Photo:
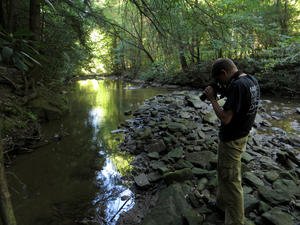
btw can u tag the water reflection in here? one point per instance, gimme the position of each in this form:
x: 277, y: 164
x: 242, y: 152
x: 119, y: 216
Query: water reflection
x: 285, y: 118
x: 78, y: 178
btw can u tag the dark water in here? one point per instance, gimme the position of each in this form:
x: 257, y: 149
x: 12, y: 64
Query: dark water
x: 77, y: 178
x: 285, y: 119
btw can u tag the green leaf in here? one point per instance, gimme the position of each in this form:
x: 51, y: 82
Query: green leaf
x: 7, y: 53
x: 32, y: 59
x: 20, y: 64
x: 3, y: 42
x: 50, y: 4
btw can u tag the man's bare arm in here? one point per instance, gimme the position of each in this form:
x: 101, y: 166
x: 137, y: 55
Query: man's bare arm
x: 224, y: 116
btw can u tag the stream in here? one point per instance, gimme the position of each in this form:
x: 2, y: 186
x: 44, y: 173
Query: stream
x: 76, y: 179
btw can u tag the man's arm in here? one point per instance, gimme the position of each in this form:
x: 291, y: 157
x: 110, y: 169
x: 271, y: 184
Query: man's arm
x: 224, y: 116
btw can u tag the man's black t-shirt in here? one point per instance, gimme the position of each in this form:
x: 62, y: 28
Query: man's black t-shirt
x: 242, y: 99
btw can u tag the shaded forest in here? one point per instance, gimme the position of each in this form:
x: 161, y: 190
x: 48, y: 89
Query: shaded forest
x: 164, y: 41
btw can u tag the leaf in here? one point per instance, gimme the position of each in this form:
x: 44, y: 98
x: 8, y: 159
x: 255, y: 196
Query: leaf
x: 50, y: 4
x: 20, y: 64
x: 3, y: 42
x: 32, y: 59
x: 7, y: 53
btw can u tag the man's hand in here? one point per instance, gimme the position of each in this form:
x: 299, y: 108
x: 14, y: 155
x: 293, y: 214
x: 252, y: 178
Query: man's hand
x: 210, y: 93
x: 224, y: 116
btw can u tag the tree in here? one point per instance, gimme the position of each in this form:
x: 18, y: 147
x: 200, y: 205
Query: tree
x: 6, y: 209
x: 35, y: 19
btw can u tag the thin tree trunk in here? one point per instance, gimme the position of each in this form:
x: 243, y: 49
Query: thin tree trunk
x: 2, y: 21
x: 10, y: 15
x: 35, y: 19
x: 182, y: 58
x: 6, y: 210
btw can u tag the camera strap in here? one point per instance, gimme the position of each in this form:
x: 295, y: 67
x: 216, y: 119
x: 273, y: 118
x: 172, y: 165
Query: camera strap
x: 234, y: 77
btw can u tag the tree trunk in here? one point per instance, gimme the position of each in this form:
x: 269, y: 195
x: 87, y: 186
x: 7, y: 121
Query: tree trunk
x: 10, y: 9
x: 183, y: 61
x: 2, y: 21
x: 35, y: 19
x: 6, y: 210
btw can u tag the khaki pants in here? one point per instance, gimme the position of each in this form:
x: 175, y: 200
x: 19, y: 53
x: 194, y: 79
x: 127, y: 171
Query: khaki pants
x: 230, y: 191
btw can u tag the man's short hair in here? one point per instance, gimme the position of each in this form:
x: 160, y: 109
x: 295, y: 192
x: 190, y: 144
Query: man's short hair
x: 222, y: 64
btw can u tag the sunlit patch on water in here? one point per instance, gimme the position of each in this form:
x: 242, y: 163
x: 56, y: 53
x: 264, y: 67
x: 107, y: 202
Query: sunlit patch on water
x: 118, y: 198
x: 131, y: 88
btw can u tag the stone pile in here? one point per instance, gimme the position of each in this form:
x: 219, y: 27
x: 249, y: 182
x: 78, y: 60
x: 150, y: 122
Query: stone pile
x: 175, y: 138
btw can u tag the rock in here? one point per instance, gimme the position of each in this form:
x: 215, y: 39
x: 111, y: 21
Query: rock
x: 191, y: 217
x: 250, y: 203
x: 154, y: 176
x: 202, y: 183
x: 252, y: 179
x: 275, y: 197
x: 181, y: 164
x: 249, y: 222
x: 153, y: 155
x: 202, y: 158
x: 263, y: 207
x: 268, y: 163
x: 246, y: 157
x: 142, y: 109
x: 158, y: 146
x: 157, y: 164
x: 204, y: 173
x: 288, y: 186
x: 175, y: 153
x: 201, y: 134
x: 142, y: 181
x: 185, y: 115
x: 127, y: 113
x: 168, y: 100
x: 283, y: 159
x: 210, y: 117
x: 118, y: 131
x: 178, y: 176
x: 271, y: 176
x: 146, y: 134
x: 213, y: 183
x: 194, y: 101
x: 278, y: 217
x: 177, y: 127
x: 194, y: 200
x: 258, y: 120
x: 170, y: 207
x: 247, y: 190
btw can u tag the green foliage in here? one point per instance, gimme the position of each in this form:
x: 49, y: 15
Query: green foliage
x: 17, y: 50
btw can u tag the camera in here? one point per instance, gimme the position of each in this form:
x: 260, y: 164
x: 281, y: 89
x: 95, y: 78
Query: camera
x: 218, y: 88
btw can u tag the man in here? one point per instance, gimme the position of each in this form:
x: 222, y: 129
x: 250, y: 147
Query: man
x: 237, y: 117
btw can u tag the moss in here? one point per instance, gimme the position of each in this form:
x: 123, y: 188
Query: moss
x: 10, y: 125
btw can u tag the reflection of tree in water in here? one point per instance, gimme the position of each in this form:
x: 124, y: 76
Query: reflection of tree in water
x: 111, y: 189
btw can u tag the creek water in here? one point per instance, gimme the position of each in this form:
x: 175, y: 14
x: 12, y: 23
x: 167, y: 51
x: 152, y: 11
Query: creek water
x: 76, y: 178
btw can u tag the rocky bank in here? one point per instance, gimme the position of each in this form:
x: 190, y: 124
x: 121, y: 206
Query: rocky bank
x: 174, y: 138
